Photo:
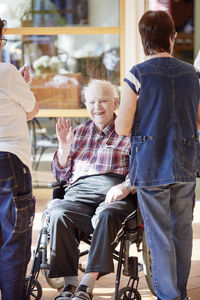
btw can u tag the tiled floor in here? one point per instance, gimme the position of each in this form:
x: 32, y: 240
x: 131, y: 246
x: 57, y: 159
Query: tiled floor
x: 104, y: 288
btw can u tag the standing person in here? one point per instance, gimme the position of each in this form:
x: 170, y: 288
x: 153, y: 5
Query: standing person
x: 159, y: 108
x: 17, y: 205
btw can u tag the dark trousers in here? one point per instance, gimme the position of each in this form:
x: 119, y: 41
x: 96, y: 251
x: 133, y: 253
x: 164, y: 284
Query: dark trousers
x: 17, y: 208
x: 70, y: 222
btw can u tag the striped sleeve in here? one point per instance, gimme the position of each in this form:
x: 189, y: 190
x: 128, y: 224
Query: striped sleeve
x: 133, y: 80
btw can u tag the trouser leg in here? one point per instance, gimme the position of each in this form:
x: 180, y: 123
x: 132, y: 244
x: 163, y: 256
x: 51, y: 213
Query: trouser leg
x: 13, y: 274
x: 163, y: 214
x: 16, y: 218
x: 100, y: 257
x: 182, y: 200
x: 70, y: 222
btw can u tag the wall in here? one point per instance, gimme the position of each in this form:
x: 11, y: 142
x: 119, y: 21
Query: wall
x: 133, y: 46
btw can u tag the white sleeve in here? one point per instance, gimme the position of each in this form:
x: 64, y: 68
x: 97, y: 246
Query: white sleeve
x: 20, y: 91
x: 197, y: 61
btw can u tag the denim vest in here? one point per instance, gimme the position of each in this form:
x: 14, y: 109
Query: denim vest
x: 164, y: 139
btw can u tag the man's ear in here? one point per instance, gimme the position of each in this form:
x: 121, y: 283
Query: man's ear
x: 116, y: 102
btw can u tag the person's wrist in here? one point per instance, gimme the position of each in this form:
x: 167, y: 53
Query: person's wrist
x: 130, y: 189
x: 64, y: 149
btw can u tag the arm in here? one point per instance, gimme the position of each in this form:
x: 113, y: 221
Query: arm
x: 25, y: 72
x: 198, y: 122
x: 197, y: 62
x: 20, y: 91
x: 128, y: 104
x: 30, y: 115
x: 65, y: 137
x: 197, y: 65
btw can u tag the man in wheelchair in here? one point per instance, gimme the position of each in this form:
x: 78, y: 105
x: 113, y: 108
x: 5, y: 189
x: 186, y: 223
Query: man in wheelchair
x: 94, y: 161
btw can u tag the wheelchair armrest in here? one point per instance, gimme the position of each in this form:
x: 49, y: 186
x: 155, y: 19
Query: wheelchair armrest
x: 55, y: 184
x: 58, y: 189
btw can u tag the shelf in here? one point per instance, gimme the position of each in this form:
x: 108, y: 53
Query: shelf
x: 69, y: 113
x: 63, y: 30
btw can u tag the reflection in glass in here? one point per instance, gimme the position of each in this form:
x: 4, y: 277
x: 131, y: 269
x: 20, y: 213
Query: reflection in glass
x: 54, y: 13
x: 61, y: 65
x: 58, y: 12
x: 182, y: 13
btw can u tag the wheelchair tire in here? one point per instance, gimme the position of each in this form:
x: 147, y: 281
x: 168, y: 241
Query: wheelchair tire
x: 128, y: 293
x: 147, y: 264
x: 35, y: 290
x: 54, y: 283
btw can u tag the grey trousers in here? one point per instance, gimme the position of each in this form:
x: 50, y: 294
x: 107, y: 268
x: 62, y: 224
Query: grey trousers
x: 70, y: 222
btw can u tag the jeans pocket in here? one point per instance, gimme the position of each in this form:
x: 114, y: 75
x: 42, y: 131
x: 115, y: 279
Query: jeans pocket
x: 7, y: 175
x: 190, y: 152
x: 24, y: 206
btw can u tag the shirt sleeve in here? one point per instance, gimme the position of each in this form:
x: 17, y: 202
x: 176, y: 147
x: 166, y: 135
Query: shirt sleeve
x: 61, y: 174
x: 20, y: 90
x: 133, y: 80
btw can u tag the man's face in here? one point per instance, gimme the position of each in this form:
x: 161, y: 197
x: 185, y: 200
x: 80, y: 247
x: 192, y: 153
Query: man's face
x: 101, y: 106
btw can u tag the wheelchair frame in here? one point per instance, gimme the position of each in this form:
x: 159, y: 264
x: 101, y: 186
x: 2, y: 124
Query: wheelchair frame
x: 128, y: 235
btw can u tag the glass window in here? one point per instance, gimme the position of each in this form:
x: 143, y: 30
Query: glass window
x: 62, y: 64
x: 182, y: 13
x: 54, y: 13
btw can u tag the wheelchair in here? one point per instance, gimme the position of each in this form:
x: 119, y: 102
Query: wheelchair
x: 132, y: 232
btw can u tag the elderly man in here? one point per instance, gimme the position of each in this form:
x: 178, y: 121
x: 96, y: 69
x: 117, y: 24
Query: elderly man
x: 94, y: 161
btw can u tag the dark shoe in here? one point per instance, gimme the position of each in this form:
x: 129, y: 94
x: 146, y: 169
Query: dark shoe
x: 66, y: 293
x: 82, y: 293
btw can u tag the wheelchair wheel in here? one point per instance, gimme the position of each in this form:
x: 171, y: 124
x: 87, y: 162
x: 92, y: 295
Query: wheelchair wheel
x: 35, y: 291
x: 129, y: 293
x: 55, y: 283
x: 147, y: 263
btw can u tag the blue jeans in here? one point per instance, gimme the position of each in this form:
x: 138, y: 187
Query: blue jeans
x: 167, y: 212
x: 17, y: 208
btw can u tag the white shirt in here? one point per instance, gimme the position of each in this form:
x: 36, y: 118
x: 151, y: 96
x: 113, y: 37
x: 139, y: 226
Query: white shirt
x: 197, y: 61
x: 15, y: 100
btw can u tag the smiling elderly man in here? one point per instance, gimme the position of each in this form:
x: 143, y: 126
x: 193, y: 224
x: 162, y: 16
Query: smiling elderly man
x: 94, y: 161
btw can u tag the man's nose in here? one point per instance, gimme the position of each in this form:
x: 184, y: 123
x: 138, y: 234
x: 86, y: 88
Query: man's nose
x: 97, y: 104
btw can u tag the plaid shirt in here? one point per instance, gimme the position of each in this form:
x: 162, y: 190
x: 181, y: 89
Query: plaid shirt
x: 93, y: 153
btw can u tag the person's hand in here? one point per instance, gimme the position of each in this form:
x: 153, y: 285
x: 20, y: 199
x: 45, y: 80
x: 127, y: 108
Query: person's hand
x: 64, y: 133
x: 25, y: 72
x: 117, y: 192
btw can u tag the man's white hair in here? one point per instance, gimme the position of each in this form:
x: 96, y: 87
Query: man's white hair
x: 103, y: 85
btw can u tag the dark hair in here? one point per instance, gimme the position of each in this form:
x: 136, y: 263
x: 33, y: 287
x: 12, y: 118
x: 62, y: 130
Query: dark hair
x: 2, y: 26
x: 156, y: 27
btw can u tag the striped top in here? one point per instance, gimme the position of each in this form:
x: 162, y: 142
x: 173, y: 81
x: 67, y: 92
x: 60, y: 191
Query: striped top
x: 93, y: 153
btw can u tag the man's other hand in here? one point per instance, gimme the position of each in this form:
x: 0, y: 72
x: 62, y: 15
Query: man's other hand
x: 117, y: 192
